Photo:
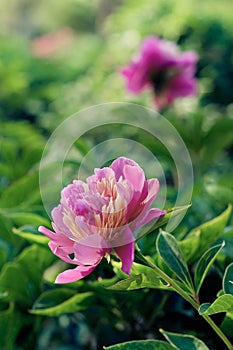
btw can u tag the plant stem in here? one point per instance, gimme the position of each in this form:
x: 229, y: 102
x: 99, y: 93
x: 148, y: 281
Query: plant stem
x: 218, y: 331
x: 188, y: 298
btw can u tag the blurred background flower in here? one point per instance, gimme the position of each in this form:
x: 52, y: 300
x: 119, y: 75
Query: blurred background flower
x: 47, y: 45
x: 161, y: 67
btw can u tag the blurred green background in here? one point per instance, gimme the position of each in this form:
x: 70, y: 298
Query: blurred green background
x: 56, y: 58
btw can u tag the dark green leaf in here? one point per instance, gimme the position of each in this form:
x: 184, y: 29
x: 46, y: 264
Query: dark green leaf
x: 204, y: 265
x: 227, y: 324
x: 170, y: 252
x: 228, y: 280
x: 142, y: 345
x: 184, y: 342
x: 12, y: 320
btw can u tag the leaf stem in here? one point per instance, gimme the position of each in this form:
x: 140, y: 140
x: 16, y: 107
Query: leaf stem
x: 141, y: 259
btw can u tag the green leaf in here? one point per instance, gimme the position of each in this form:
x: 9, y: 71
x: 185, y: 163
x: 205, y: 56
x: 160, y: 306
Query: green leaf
x: 227, y: 324
x: 12, y: 321
x: 21, y: 191
x: 204, y: 265
x: 214, y: 140
x: 6, y: 231
x: 23, y: 218
x: 219, y: 193
x: 173, y: 212
x: 14, y: 282
x: 146, y: 279
x: 228, y: 280
x: 130, y: 283
x: 142, y: 345
x: 141, y: 277
x: 23, y: 278
x: 32, y: 237
x: 204, y: 235
x: 184, y: 342
x: 59, y: 301
x: 189, y: 245
x: 33, y: 261
x: 170, y: 252
x: 3, y: 256
x: 222, y: 304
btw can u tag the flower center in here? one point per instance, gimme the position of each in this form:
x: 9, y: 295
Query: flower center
x: 160, y: 79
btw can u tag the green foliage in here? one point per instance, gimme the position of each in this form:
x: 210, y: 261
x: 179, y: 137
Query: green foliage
x: 141, y: 277
x: 12, y: 320
x: 142, y: 344
x: 201, y: 237
x: 21, y: 148
x: 31, y: 237
x: 228, y: 280
x: 204, y: 264
x: 226, y: 324
x: 224, y: 303
x: 59, y: 301
x: 19, y: 280
x: 215, y: 142
x: 176, y: 341
x: 170, y: 252
x: 184, y: 342
x: 44, y: 91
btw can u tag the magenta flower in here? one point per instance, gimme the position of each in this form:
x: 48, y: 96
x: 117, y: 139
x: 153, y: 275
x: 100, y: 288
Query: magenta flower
x: 161, y: 67
x: 99, y: 216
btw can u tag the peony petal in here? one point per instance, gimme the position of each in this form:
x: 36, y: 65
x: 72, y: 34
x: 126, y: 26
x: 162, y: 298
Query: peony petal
x: 126, y: 254
x: 76, y: 274
x: 89, y: 251
x: 103, y: 173
x: 124, y: 192
x: 153, y: 188
x: 57, y: 216
x: 135, y: 176
x: 62, y: 253
x: 119, y: 164
x: 56, y: 236
x: 50, y: 234
x: 122, y: 237
x: 60, y: 245
x: 146, y: 217
x: 85, y: 228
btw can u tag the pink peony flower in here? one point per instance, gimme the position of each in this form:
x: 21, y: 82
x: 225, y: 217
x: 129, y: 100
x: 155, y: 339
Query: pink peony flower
x: 161, y: 67
x: 99, y: 216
